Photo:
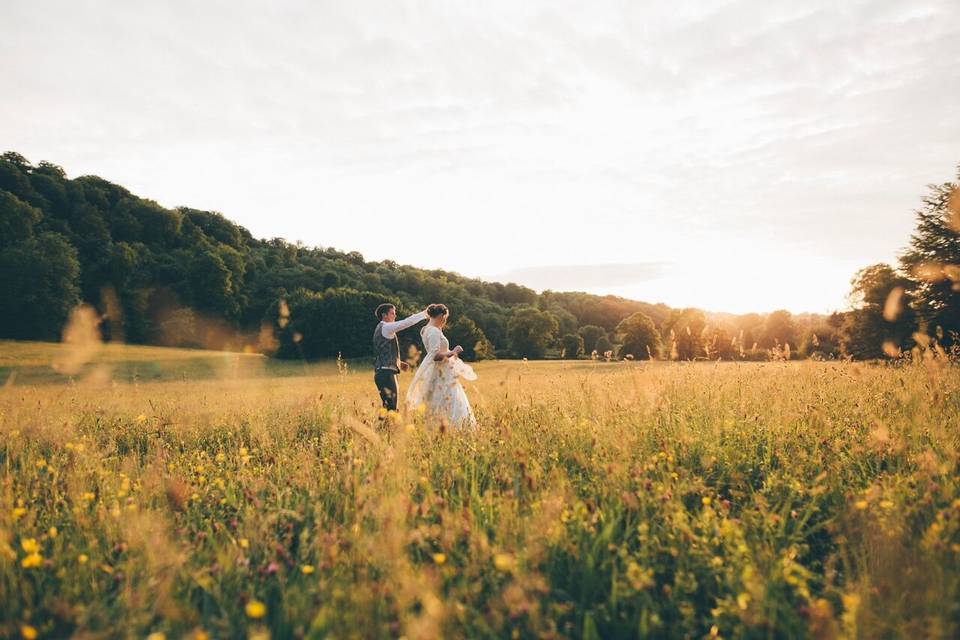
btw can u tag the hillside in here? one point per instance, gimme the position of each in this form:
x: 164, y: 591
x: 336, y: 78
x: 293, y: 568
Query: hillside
x: 185, y: 277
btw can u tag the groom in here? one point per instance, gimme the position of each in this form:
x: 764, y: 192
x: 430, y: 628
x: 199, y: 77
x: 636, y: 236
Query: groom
x: 386, y: 348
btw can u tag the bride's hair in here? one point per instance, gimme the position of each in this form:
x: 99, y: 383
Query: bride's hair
x: 437, y: 311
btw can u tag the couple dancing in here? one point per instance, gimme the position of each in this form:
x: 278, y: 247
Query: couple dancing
x: 435, y: 385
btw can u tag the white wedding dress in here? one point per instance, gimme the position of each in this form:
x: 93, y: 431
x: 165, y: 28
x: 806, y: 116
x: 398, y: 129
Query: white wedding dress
x: 436, y: 386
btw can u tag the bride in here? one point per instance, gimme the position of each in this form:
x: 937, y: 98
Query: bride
x: 435, y: 384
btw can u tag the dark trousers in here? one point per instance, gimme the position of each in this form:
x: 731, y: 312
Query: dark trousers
x: 387, y: 386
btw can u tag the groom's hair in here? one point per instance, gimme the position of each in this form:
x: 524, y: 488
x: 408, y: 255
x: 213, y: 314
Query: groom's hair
x: 383, y: 309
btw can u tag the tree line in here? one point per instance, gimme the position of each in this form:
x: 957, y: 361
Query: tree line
x: 185, y: 277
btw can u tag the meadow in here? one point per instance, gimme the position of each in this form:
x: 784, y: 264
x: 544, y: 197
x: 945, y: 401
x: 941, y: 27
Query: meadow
x: 161, y: 493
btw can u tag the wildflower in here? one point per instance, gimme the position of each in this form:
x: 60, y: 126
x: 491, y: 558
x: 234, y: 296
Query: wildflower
x: 244, y: 543
x: 157, y: 635
x: 255, y: 609
x: 860, y: 504
x: 639, y: 577
x: 307, y: 569
x: 141, y: 419
x: 82, y: 558
x: 17, y: 513
x: 30, y: 545
x: 28, y: 632
x: 31, y: 561
x: 705, y: 501
x: 743, y: 600
x: 503, y: 562
x: 439, y: 558
x: 52, y: 532
x: 41, y: 463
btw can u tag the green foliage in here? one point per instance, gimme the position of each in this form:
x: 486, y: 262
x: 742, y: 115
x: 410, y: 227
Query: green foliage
x: 334, y: 321
x: 572, y: 345
x: 590, y: 334
x: 883, y: 321
x: 464, y: 332
x: 638, y: 336
x: 779, y: 329
x: 17, y: 219
x: 932, y: 259
x: 531, y: 331
x: 684, y: 329
x: 602, y: 345
x: 40, y: 279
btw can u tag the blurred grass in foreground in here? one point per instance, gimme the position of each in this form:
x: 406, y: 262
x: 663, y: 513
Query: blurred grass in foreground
x: 595, y: 500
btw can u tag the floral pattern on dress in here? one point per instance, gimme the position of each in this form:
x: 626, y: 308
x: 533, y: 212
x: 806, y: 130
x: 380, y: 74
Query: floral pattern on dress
x: 436, y: 385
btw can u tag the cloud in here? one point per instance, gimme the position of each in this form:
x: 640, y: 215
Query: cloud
x: 506, y: 133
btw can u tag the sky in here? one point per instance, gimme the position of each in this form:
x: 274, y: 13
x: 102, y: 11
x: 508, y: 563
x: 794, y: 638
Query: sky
x: 730, y: 155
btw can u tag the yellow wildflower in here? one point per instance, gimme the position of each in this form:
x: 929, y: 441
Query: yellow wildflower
x: 157, y: 635
x: 503, y: 562
x: 82, y: 558
x: 243, y: 542
x: 307, y: 569
x: 52, y: 532
x: 31, y: 561
x: 17, y: 513
x: 439, y: 558
x: 256, y: 609
x: 30, y: 545
x: 28, y: 632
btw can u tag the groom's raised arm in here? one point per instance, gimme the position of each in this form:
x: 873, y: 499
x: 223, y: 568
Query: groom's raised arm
x: 391, y: 329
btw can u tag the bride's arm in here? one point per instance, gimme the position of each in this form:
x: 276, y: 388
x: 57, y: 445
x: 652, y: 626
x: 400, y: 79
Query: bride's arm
x: 444, y: 354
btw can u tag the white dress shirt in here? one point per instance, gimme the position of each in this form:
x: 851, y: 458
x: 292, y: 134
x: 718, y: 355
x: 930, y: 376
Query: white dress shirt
x: 390, y: 329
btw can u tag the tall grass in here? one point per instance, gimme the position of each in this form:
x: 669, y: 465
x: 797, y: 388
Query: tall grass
x: 595, y: 500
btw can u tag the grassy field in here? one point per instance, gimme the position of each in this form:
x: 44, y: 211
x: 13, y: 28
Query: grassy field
x: 227, y: 496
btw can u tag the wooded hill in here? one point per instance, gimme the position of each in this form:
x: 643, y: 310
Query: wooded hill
x: 185, y: 277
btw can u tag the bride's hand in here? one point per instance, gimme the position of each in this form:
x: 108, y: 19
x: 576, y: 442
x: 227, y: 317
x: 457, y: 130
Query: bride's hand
x: 457, y: 350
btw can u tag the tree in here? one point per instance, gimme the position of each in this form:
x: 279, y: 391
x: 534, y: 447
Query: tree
x: 883, y: 319
x: 17, y: 219
x: 566, y: 321
x: 465, y: 332
x: 41, y: 286
x: 932, y: 259
x: 572, y: 346
x: 603, y: 345
x: 779, y: 329
x: 590, y: 334
x: 685, y: 327
x: 638, y: 336
x: 530, y: 331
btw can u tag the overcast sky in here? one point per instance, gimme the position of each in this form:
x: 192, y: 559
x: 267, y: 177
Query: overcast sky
x: 731, y: 155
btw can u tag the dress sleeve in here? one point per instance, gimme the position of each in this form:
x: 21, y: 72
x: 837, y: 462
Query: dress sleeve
x: 430, y: 342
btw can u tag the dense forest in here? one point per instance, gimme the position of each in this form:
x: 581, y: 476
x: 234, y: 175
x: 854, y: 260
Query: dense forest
x: 186, y: 277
